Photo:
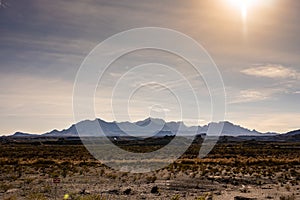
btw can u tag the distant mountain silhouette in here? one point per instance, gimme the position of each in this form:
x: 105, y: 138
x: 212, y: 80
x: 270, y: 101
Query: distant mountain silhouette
x: 20, y: 134
x: 146, y: 128
x: 230, y: 129
x: 293, y: 133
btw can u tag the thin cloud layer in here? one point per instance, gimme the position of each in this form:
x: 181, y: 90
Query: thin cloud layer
x: 44, y: 42
x: 271, y: 71
x: 250, y: 96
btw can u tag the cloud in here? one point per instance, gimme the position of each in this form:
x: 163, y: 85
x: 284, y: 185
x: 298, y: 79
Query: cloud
x: 44, y: 42
x: 272, y: 71
x: 250, y: 96
x: 158, y: 109
x: 253, y: 95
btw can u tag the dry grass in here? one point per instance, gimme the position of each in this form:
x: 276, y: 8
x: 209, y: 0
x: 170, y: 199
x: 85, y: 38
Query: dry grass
x: 28, y: 169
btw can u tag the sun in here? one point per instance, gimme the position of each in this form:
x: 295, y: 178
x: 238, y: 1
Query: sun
x: 244, y: 5
x: 249, y: 7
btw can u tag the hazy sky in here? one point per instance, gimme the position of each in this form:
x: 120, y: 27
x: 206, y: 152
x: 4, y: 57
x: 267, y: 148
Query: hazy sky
x: 44, y: 42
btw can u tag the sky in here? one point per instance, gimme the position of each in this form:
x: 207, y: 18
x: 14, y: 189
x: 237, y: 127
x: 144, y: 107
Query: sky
x: 43, y: 44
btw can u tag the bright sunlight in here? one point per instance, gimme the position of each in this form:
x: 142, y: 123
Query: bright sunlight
x: 244, y: 5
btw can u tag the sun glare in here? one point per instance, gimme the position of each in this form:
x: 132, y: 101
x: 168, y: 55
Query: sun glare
x: 247, y: 7
x: 244, y: 12
x: 244, y: 5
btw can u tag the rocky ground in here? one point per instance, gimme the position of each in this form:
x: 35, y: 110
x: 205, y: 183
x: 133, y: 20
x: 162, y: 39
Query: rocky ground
x: 27, y: 172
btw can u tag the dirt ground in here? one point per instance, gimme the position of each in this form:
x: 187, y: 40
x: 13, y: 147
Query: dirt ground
x: 27, y: 172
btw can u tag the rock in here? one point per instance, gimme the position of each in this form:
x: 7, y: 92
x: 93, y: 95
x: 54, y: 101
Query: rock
x: 116, y: 192
x: 13, y: 190
x: 127, y: 191
x: 154, y: 190
x: 244, y: 198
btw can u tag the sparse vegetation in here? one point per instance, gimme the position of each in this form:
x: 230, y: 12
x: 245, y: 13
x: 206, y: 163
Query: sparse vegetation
x: 288, y: 197
x: 27, y: 171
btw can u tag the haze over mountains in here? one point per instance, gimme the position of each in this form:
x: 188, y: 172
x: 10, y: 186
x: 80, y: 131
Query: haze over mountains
x: 147, y: 128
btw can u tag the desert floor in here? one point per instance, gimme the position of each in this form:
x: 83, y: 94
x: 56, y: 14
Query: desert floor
x: 256, y: 170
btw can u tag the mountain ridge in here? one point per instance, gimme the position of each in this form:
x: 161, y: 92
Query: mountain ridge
x: 145, y: 128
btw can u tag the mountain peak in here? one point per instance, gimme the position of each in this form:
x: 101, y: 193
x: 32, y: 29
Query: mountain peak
x: 147, y: 121
x: 292, y: 133
x: 21, y: 134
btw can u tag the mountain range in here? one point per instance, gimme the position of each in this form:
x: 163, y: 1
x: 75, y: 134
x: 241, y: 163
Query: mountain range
x: 150, y: 127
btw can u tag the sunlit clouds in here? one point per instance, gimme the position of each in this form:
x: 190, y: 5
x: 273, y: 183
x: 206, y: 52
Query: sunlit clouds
x: 272, y: 71
x: 254, y: 43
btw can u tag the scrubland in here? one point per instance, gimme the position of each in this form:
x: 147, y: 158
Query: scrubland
x: 232, y: 170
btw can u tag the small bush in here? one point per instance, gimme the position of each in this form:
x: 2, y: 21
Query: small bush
x: 92, y: 197
x: 292, y: 197
x: 176, y: 197
x: 36, y: 196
